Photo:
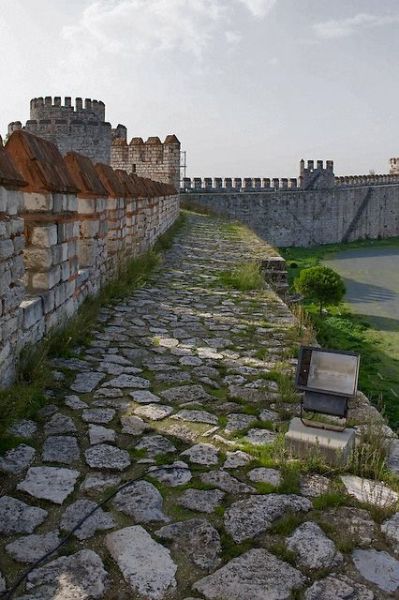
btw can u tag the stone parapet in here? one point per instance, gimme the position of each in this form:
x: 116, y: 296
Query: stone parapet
x: 67, y: 226
x: 159, y: 161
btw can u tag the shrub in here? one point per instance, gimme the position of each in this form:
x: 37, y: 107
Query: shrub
x: 320, y: 284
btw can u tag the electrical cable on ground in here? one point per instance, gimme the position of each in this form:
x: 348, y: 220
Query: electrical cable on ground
x: 8, y: 594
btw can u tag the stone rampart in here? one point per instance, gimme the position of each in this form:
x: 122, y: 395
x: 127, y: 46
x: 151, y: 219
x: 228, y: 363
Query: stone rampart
x: 316, y: 208
x: 82, y: 128
x: 66, y: 227
x: 153, y: 159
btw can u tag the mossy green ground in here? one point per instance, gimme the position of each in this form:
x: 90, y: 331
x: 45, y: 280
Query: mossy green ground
x: 369, y: 331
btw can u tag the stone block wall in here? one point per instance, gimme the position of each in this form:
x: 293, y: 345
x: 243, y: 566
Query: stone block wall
x: 66, y: 227
x: 309, y: 217
x: 81, y: 128
x: 152, y: 159
x: 11, y: 263
x: 316, y: 208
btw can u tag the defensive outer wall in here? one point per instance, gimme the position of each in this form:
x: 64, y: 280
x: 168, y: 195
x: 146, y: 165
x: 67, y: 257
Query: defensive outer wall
x: 82, y: 128
x: 317, y: 208
x: 67, y: 225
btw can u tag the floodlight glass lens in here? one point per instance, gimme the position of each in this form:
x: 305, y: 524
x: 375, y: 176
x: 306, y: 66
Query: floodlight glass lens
x: 333, y: 372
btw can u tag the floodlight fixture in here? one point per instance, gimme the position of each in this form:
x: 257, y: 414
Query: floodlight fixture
x: 328, y: 379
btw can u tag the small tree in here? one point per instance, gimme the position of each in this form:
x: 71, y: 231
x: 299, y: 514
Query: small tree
x: 320, y: 284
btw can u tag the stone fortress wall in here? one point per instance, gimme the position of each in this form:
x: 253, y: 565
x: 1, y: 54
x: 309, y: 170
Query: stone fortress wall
x: 67, y: 225
x: 82, y: 128
x: 316, y: 208
x: 160, y: 161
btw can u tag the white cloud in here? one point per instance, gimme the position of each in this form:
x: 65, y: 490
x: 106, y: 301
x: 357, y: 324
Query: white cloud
x: 259, y: 8
x: 345, y: 27
x: 139, y: 26
x: 233, y: 37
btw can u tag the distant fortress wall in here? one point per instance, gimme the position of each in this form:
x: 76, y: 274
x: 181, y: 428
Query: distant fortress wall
x: 317, y: 208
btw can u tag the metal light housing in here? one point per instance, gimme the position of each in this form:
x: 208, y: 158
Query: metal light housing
x: 328, y: 379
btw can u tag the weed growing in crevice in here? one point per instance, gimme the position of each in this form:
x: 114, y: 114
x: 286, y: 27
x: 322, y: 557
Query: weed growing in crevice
x: 244, y: 277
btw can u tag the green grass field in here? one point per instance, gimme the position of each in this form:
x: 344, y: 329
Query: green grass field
x: 368, y: 321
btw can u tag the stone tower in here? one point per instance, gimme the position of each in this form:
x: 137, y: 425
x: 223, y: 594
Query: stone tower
x: 394, y: 166
x: 81, y: 128
x: 154, y: 159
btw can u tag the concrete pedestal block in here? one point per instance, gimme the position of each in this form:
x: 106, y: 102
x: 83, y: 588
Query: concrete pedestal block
x: 334, y: 447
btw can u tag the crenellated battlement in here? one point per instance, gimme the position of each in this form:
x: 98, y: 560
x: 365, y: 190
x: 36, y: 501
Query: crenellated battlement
x: 153, y: 158
x: 51, y: 108
x: 313, y: 176
x: 238, y: 184
x: 81, y: 127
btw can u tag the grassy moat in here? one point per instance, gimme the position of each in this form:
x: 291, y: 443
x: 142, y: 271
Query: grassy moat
x: 367, y: 321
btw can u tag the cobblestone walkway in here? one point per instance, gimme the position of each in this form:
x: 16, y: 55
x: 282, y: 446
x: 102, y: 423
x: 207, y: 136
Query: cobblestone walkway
x: 172, y: 394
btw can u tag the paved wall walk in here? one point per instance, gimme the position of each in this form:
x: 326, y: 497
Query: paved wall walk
x: 174, y: 392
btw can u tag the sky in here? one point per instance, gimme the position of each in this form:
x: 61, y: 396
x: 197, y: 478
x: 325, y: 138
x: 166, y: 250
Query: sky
x: 248, y: 86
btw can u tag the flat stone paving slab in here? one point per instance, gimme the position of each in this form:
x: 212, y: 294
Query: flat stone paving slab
x: 98, y: 415
x: 29, y: 548
x: 105, y: 456
x: 98, y: 482
x: 18, y: 517
x: 146, y: 565
x: 100, y: 435
x: 98, y: 520
x: 202, y: 454
x: 75, y: 403
x: 185, y: 393
x: 378, y: 567
x: 61, y: 449
x: 314, y: 550
x: 201, y: 500
x: 49, y: 483
x: 154, y: 412
x: 175, y: 474
x: 87, y: 381
x: 247, y: 518
x: 133, y: 425
x: 255, y: 575
x: 155, y: 444
x: 197, y: 539
x: 264, y: 475
x: 24, y: 428
x: 368, y: 491
x: 142, y: 501
x: 129, y: 381
x: 196, y: 416
x: 75, y: 577
x: 144, y: 397
x: 17, y: 460
x: 59, y: 424
x: 226, y: 482
x: 334, y: 588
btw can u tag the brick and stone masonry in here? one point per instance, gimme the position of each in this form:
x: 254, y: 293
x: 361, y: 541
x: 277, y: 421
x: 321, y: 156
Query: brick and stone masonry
x: 316, y: 208
x: 66, y: 227
x: 82, y: 128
